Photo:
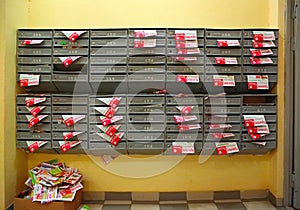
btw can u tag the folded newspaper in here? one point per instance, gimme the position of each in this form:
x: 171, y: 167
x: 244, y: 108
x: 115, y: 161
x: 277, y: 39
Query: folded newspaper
x: 52, y: 181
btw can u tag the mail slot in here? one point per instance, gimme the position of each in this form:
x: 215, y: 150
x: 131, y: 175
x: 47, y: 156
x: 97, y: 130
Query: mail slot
x: 21, y: 99
x: 147, y: 77
x: 172, y: 42
x: 94, y: 137
x: 212, y: 61
x: 186, y: 69
x: 34, y: 60
x: 247, y: 52
x: 145, y: 127
x: 186, y: 60
x: 214, y: 43
x: 246, y: 60
x: 58, y: 119
x: 145, y: 118
x: 236, y: 128
x: 108, y: 78
x: 23, y: 118
x: 80, y: 126
x: 259, y: 109
x: 248, y: 33
x: 174, y: 51
x: 23, y: 110
x: 260, y: 69
x: 259, y: 99
x: 145, y: 109
x: 34, y: 34
x: 147, y: 60
x: 174, y: 110
x: 69, y: 109
x: 268, y: 137
x: 159, y: 42
x: 146, y: 136
x: 35, y: 69
x: 23, y: 145
x: 109, y: 42
x: 45, y: 44
x: 96, y: 120
x: 146, y: 69
x: 228, y: 101
x: 147, y: 51
x: 249, y: 43
x: 144, y: 99
x: 223, y: 52
x: 200, y: 32
x: 69, y: 77
x: 237, y: 78
x: 34, y: 51
x: 59, y: 34
x: 271, y: 118
x: 35, y: 136
x: 160, y: 33
x: 70, y: 99
x: 108, y: 33
x: 120, y: 111
x: 109, y: 51
x: 252, y: 148
x: 223, y: 118
x: 60, y: 136
x: 186, y: 100
x: 81, y: 60
x: 68, y: 43
x: 190, y: 137
x: 99, y: 148
x: 108, y: 69
x: 145, y: 147
x: 173, y: 128
x: 223, y: 33
x: 93, y: 101
x: 94, y: 129
x: 71, y: 51
x: 40, y: 127
x: 223, y: 69
x: 222, y: 110
x: 210, y: 137
x: 108, y: 60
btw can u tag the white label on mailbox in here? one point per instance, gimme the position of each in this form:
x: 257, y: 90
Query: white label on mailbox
x: 144, y: 43
x: 27, y: 80
x: 183, y: 147
x: 224, y: 148
x: 185, y: 34
x: 228, y: 43
x: 258, y: 82
x: 223, y: 81
x: 144, y: 33
x: 263, y: 35
x: 188, y: 78
x: 73, y: 35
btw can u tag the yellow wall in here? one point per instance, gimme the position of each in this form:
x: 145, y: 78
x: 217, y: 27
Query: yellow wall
x: 15, y: 161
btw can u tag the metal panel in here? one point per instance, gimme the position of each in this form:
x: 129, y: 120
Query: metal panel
x: 145, y: 136
x: 234, y: 128
x: 147, y: 60
x: 21, y: 99
x: 223, y: 69
x: 146, y: 69
x: 147, y: 51
x: 94, y: 129
x: 34, y: 51
x: 173, y: 128
x: 248, y: 62
x: 184, y: 136
x: 210, y: 33
x: 174, y: 51
x: 80, y: 126
x: 200, y: 32
x: 159, y: 42
x: 170, y: 119
x: 59, y: 34
x: 228, y: 101
x: 33, y: 136
x: 45, y: 44
x: 69, y: 109
x: 23, y: 145
x: 68, y: 43
x: 260, y: 69
x: 186, y: 69
x: 259, y: 109
x: 197, y: 61
x: 23, y: 126
x: 174, y: 110
x: 248, y: 33
x: 224, y: 119
x: 172, y: 42
x: 24, y: 110
x: 109, y: 42
x: 160, y: 32
x: 93, y: 101
x: 142, y: 99
x: 23, y: 118
x: 145, y: 147
x: 57, y: 118
x: 268, y: 137
x: 37, y: 34
x: 108, y: 69
x: 247, y: 52
x: 109, y: 51
x: 146, y: 118
x: 81, y: 60
x: 212, y: 61
x: 34, y: 60
x: 96, y: 120
x: 188, y: 100
x: 69, y: 52
x: 237, y: 78
x: 214, y: 43
x: 34, y: 69
x: 249, y: 43
x: 108, y: 78
x: 101, y: 148
x: 108, y: 60
x: 250, y: 148
x: 108, y: 33
x: 145, y: 109
x: 69, y: 99
x: 145, y: 127
x: 223, y: 52
x: 146, y: 77
x: 120, y: 111
x: 210, y: 138
x: 59, y: 136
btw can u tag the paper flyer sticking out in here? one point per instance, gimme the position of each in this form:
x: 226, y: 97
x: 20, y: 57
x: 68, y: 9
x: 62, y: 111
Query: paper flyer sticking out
x: 188, y: 78
x: 27, y: 80
x: 228, y: 43
x: 181, y: 119
x: 73, y: 35
x: 259, y: 129
x: 67, y: 61
x: 67, y: 145
x: 35, y: 120
x: 70, y: 120
x: 258, y: 82
x: 32, y: 42
x: 187, y: 127
x: 260, y: 61
x: 69, y: 135
x: 260, y: 143
x: 185, y: 34
x: 260, y: 52
x: 114, y: 140
x: 224, y: 148
x: 144, y: 43
x: 256, y: 136
x: 263, y: 44
x: 185, y: 109
x: 34, y: 145
x: 223, y: 80
x: 107, y: 121
x: 109, y: 130
x: 183, y: 147
x: 226, y: 61
x: 107, y: 111
x: 254, y: 120
x: 189, y: 51
x: 182, y: 58
x: 33, y: 101
x: 264, y: 35
x: 35, y: 110
x: 113, y: 102
x: 222, y: 135
x: 219, y: 126
x: 186, y: 44
x: 144, y: 33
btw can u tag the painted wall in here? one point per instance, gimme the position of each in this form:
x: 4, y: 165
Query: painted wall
x: 15, y: 162
x: 226, y: 173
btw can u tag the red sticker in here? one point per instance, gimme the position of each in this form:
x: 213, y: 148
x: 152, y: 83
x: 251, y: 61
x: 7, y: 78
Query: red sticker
x: 24, y: 82
x: 33, y: 146
x: 115, y: 140
x: 33, y: 121
x: 69, y: 121
x: 252, y: 86
x: 35, y: 110
x: 115, y: 102
x: 222, y: 150
x: 30, y: 102
x: 68, y: 136
x: 110, y: 112
x: 65, y: 147
x: 177, y: 149
x: 255, y: 136
x: 73, y: 37
x: 67, y: 62
x: 26, y: 42
x: 111, y: 131
x: 106, y: 121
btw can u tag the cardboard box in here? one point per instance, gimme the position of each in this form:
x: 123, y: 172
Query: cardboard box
x: 24, y: 204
